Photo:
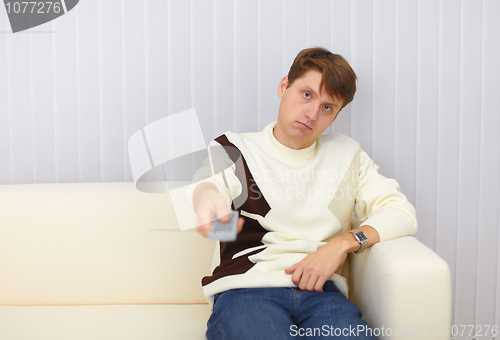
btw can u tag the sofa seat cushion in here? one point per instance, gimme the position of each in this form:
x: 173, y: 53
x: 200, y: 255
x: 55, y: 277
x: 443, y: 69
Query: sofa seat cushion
x: 106, y: 322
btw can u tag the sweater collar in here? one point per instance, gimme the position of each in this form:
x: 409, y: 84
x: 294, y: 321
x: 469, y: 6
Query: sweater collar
x: 285, y: 152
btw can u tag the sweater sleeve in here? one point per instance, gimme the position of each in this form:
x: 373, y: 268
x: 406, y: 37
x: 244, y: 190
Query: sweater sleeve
x: 380, y: 203
x: 219, y: 170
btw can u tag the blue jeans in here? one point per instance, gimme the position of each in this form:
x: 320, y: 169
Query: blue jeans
x: 285, y: 313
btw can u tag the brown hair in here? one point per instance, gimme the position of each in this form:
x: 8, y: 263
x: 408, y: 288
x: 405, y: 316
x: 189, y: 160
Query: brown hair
x: 338, y: 77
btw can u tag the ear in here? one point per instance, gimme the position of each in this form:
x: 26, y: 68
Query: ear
x: 282, y: 86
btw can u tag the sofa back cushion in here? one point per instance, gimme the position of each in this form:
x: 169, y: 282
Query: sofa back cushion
x: 96, y: 243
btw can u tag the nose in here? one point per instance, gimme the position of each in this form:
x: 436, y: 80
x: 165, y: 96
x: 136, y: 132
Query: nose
x: 313, y: 112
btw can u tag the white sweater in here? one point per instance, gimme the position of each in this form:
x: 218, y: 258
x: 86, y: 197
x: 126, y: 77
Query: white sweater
x: 294, y: 202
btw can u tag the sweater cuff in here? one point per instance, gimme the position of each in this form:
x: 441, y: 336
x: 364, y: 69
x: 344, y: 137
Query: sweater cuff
x: 391, y: 223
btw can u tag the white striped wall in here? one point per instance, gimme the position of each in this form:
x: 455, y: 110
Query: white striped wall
x: 427, y: 109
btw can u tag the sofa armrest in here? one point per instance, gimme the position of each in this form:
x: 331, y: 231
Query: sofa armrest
x: 404, y: 287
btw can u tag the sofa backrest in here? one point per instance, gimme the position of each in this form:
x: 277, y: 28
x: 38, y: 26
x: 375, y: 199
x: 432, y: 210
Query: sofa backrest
x: 96, y: 243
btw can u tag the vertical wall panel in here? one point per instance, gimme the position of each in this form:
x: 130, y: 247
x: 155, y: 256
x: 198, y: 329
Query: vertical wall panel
x: 468, y: 189
x: 156, y: 59
x: 245, y: 66
x: 406, y: 96
x: 202, y: 58
x: 384, y: 81
x: 111, y: 89
x: 42, y: 85
x: 362, y: 62
x: 294, y: 30
x: 427, y: 120
x: 489, y: 194
x: 340, y: 23
x: 319, y: 31
x: 179, y: 56
x: 202, y: 72
x: 20, y: 108
x: 5, y: 154
x: 134, y: 96
x: 223, y: 66
x: 490, y: 156
x: 179, y: 64
x: 87, y: 39
x: 448, y: 134
x: 65, y: 100
x: 270, y: 40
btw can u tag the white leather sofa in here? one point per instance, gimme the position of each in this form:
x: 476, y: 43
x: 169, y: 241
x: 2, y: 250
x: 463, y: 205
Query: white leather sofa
x: 106, y: 261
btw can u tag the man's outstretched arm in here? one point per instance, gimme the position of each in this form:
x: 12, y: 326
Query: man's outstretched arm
x: 209, y: 204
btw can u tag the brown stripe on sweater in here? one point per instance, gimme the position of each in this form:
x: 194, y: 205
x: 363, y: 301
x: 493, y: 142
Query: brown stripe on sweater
x: 251, y: 236
x: 255, y: 203
x: 252, y: 232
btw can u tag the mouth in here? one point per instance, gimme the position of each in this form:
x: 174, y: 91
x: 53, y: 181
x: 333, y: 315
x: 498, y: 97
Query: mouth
x: 304, y: 125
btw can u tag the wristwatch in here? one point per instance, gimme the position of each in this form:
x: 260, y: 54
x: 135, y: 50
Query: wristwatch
x: 362, y: 239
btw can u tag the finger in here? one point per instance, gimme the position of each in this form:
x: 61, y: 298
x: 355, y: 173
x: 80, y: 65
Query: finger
x: 224, y: 218
x: 291, y: 269
x: 297, y: 276
x: 205, y: 217
x: 319, y: 285
x: 304, y: 280
x: 311, y: 283
x: 202, y: 232
x: 204, y: 229
x: 241, y: 221
x: 202, y: 224
x: 221, y: 212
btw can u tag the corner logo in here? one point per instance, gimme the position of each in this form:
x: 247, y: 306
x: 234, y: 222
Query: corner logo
x: 24, y: 15
x: 166, y: 150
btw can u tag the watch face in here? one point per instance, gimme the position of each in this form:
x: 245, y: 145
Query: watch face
x: 362, y: 237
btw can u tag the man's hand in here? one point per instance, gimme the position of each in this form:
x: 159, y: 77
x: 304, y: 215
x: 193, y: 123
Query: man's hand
x: 312, y: 272
x: 209, y: 204
x: 316, y: 268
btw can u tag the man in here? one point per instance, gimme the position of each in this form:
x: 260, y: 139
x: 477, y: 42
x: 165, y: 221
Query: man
x: 282, y: 277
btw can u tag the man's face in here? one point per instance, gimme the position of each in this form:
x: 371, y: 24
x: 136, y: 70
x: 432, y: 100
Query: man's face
x: 305, y: 110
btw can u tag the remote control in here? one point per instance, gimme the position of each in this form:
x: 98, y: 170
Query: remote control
x: 225, y: 232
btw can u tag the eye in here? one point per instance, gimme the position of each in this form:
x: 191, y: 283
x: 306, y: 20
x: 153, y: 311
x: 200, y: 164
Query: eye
x: 307, y: 95
x: 327, y: 107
